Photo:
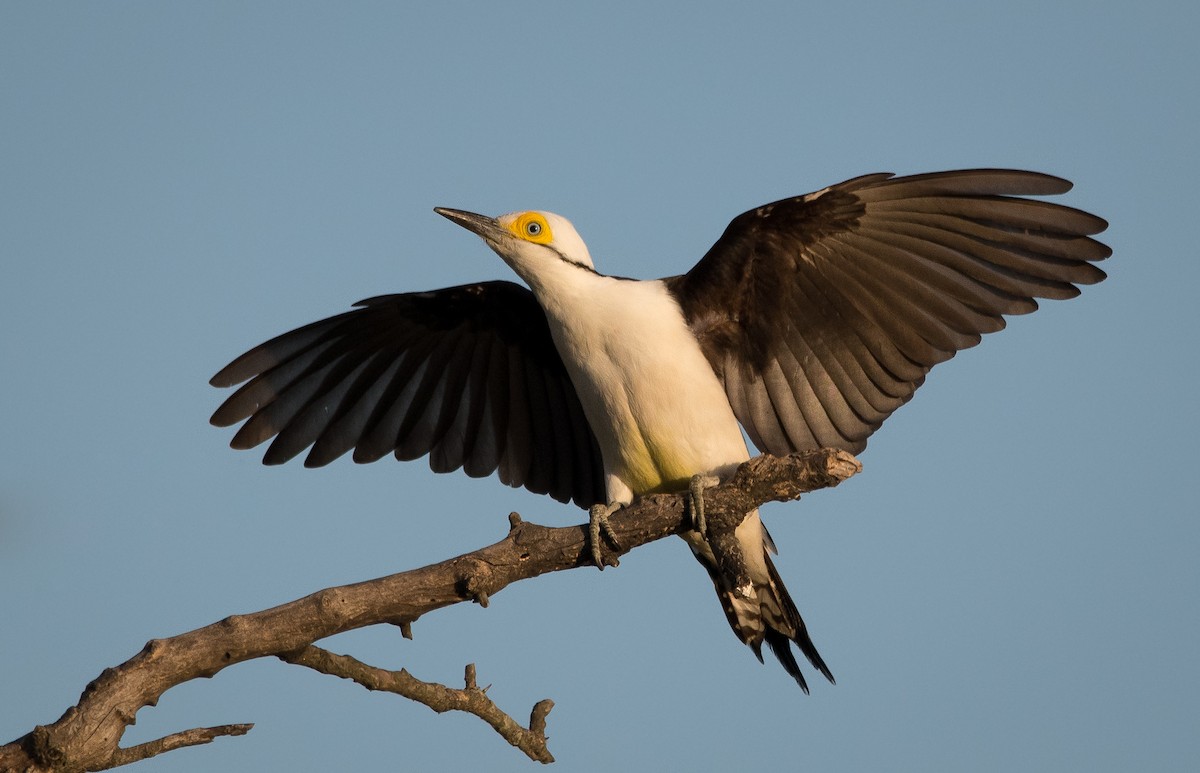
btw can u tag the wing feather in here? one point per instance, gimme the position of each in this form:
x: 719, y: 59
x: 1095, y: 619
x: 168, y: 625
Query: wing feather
x: 822, y: 314
x: 467, y: 376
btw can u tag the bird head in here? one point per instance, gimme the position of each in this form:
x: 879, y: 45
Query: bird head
x: 526, y: 240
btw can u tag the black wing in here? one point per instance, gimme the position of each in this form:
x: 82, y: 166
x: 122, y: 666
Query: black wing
x: 468, y: 375
x: 823, y: 313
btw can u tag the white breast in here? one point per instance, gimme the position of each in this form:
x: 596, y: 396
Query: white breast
x: 658, y: 410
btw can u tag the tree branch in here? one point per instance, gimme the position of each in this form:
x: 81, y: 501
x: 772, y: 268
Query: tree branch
x: 194, y: 737
x: 88, y: 735
x: 438, y: 697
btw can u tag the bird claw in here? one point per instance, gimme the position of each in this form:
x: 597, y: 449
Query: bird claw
x: 696, y: 501
x: 598, y: 525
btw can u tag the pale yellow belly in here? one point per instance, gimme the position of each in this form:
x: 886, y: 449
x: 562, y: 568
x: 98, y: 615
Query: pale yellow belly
x: 655, y: 463
x: 660, y: 414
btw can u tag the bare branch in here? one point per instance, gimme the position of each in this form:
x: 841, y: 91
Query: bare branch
x: 438, y: 697
x: 88, y: 735
x: 193, y: 737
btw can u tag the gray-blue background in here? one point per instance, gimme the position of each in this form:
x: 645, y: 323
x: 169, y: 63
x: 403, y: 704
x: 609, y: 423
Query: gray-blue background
x: 1010, y: 585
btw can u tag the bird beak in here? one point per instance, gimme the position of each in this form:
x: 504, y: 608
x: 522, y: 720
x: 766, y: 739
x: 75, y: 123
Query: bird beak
x: 486, y: 227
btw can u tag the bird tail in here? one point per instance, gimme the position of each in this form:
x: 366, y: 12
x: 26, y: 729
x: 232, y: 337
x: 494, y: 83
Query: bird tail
x: 755, y: 600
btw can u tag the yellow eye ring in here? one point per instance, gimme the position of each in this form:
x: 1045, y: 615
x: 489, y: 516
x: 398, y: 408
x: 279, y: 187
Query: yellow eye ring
x: 532, y: 227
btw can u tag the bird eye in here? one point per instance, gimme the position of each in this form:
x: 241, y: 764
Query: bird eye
x: 530, y: 226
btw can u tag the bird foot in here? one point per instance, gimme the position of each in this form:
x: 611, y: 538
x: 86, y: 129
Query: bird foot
x: 598, y: 525
x: 696, y: 501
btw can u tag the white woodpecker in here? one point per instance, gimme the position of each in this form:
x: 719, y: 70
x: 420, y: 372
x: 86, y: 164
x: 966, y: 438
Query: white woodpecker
x: 807, y: 323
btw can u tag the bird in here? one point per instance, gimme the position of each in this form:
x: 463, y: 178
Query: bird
x: 808, y: 322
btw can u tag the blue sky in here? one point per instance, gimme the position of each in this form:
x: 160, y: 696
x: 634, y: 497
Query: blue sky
x: 1010, y: 584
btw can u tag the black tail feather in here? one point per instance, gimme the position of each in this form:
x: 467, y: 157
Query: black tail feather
x: 779, y: 639
x: 773, y: 619
x: 781, y: 645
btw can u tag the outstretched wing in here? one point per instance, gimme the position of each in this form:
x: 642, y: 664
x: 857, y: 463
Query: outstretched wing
x: 468, y: 375
x: 823, y: 313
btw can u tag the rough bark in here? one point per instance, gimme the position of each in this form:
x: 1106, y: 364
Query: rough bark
x: 88, y: 735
